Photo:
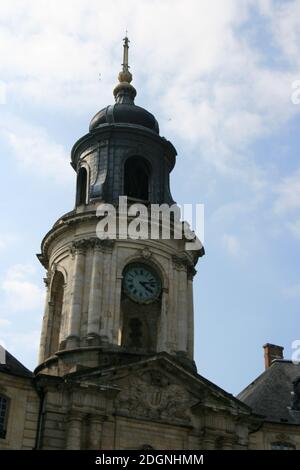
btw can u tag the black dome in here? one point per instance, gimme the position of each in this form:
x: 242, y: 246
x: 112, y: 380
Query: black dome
x: 124, y: 113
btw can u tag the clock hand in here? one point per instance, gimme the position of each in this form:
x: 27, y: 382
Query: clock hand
x: 145, y: 284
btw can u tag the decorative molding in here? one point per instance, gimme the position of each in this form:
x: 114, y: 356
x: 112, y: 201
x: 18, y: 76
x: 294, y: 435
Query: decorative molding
x: 85, y: 243
x: 184, y: 263
x: 151, y: 395
x: 180, y: 262
x: 146, y: 253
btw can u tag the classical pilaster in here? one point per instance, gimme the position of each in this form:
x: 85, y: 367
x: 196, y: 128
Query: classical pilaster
x: 117, y: 310
x: 113, y: 325
x: 182, y: 311
x: 208, y: 442
x: 162, y: 340
x: 180, y: 267
x: 76, y: 294
x: 74, y: 430
x: 107, y: 307
x: 45, y: 328
x: 95, y: 427
x: 94, y: 311
x: 190, y: 319
x: 64, y: 317
x: 172, y: 320
x: 228, y: 443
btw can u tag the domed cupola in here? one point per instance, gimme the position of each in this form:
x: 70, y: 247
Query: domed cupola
x: 123, y: 153
x: 124, y: 111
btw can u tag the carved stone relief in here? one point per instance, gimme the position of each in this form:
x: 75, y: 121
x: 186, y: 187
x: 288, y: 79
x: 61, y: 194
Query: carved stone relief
x: 150, y: 394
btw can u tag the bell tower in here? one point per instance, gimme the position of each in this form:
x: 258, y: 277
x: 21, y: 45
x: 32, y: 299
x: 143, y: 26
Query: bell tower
x: 120, y: 299
x: 116, y: 367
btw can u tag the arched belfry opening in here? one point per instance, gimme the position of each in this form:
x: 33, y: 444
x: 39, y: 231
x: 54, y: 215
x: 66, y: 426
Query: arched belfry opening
x: 137, y: 178
x: 56, y: 306
x: 82, y: 186
x: 140, y: 307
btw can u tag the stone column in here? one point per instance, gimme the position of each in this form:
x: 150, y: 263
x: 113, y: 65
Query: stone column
x: 171, y: 344
x: 227, y: 443
x: 181, y: 304
x: 190, y: 316
x: 113, y: 323
x: 208, y: 442
x: 107, y: 307
x: 74, y: 429
x: 45, y: 327
x: 162, y: 339
x: 64, y: 317
x: 182, y: 310
x: 94, y: 310
x: 76, y: 294
x: 95, y: 432
x: 117, y: 317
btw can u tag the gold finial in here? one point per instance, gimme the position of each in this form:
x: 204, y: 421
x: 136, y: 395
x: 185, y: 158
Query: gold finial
x: 125, y: 75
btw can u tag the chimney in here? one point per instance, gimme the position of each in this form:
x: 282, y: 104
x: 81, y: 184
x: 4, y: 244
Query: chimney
x: 272, y: 352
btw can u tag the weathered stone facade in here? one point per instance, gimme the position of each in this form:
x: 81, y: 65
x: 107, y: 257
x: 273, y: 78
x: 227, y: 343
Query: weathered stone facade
x: 116, y: 372
x: 22, y: 406
x: 153, y: 403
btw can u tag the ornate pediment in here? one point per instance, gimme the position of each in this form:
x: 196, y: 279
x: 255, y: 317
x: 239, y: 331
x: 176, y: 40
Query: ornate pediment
x: 151, y: 394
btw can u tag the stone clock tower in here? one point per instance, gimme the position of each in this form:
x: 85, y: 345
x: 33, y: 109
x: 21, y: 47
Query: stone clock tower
x: 116, y: 367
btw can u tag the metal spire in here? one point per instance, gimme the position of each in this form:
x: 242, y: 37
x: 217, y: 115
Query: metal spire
x: 125, y: 53
x: 124, y: 92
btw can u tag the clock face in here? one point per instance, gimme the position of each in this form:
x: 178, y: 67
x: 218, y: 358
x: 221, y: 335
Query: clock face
x: 141, y: 283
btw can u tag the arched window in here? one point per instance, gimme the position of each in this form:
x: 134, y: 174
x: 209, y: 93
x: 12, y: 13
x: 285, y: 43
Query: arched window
x: 82, y: 184
x: 4, y: 405
x: 56, y: 305
x: 136, y: 178
x: 282, y: 446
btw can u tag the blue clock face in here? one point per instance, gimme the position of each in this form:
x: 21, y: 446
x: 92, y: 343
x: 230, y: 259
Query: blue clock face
x: 141, y: 283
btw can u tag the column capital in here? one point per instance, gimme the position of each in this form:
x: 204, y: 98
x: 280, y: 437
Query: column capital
x: 84, y: 244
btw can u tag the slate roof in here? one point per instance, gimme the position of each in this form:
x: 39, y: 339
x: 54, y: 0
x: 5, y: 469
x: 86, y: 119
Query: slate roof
x: 271, y: 395
x: 14, y: 367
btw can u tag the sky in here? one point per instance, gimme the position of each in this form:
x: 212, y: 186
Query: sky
x: 222, y: 77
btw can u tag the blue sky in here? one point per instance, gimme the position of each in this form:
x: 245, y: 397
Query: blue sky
x: 218, y: 76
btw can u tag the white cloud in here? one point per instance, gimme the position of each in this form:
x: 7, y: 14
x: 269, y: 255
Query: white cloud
x: 294, y: 228
x: 55, y: 56
x: 202, y: 71
x: 6, y: 240
x: 4, y: 323
x: 232, y: 245
x: 20, y: 344
x: 20, y: 292
x: 292, y: 291
x: 288, y: 194
x: 36, y: 152
x: 285, y: 24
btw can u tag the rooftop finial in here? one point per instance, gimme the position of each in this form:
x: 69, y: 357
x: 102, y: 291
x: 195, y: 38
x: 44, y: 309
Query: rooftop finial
x: 124, y: 91
x: 125, y: 75
x: 125, y: 53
